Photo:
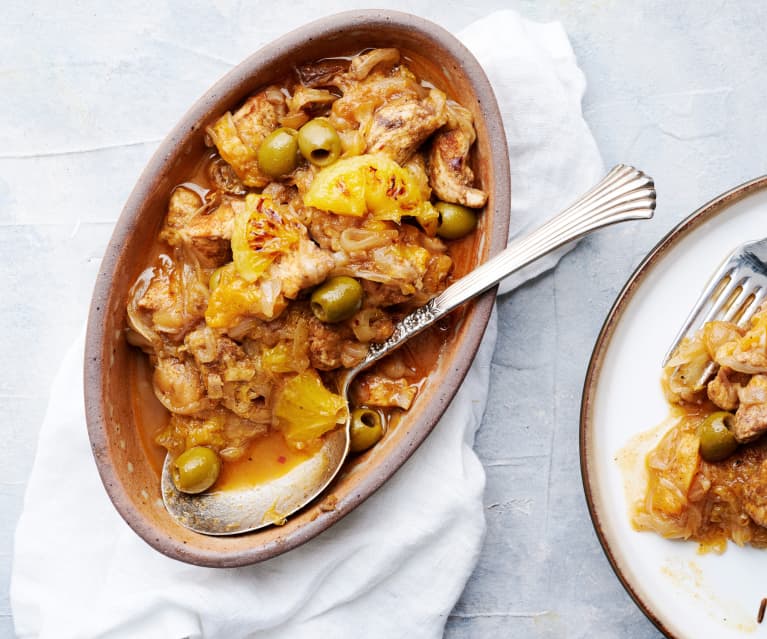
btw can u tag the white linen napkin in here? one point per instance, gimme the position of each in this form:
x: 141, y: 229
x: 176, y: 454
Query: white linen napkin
x: 396, y: 565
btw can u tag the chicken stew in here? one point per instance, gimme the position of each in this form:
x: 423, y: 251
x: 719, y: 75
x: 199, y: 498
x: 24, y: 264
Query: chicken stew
x: 324, y: 212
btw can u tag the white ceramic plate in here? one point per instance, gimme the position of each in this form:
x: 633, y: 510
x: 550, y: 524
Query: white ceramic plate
x: 686, y: 594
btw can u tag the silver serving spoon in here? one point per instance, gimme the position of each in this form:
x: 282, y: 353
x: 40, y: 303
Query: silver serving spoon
x: 624, y: 194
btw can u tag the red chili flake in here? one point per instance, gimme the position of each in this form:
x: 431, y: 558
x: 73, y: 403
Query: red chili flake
x: 282, y: 459
x: 260, y: 204
x: 392, y: 187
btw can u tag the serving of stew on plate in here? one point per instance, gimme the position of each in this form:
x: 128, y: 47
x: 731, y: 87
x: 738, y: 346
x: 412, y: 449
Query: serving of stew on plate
x: 707, y: 476
x: 324, y: 210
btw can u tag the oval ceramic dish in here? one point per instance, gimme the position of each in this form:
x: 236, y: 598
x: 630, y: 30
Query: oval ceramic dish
x: 433, y: 54
x: 685, y: 594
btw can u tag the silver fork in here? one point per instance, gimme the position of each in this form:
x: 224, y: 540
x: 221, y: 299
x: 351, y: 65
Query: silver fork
x: 733, y: 294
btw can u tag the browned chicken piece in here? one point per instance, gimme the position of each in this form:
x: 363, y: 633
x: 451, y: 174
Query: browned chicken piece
x: 209, y: 233
x: 260, y: 115
x: 360, y: 99
x: 332, y: 345
x: 217, y: 355
x: 238, y: 136
x: 751, y: 418
x: 723, y: 389
x: 377, y: 390
x: 755, y: 495
x: 183, y: 205
x: 178, y: 385
x: 175, y: 298
x: 399, y: 127
x: 223, y: 178
x: 326, y: 228
x: 229, y: 374
x: 451, y: 177
x: 310, y: 341
x: 305, y: 266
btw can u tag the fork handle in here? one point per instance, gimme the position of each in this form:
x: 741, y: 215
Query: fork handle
x: 625, y: 193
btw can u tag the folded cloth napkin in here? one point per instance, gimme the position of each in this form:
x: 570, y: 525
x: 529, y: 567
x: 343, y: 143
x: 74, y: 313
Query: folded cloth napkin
x: 396, y: 565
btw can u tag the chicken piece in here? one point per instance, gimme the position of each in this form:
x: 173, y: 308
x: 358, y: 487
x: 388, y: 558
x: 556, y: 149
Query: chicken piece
x: 230, y: 375
x: 209, y: 233
x: 178, y: 386
x: 361, y: 98
x: 751, y: 418
x: 332, y: 345
x: 175, y: 298
x: 238, y: 136
x: 217, y: 355
x: 308, y: 340
x: 399, y: 127
x: 306, y: 266
x: 326, y: 228
x: 183, y: 205
x: 755, y: 495
x: 223, y: 178
x: 723, y: 389
x: 449, y: 172
x: 377, y: 390
x: 260, y: 115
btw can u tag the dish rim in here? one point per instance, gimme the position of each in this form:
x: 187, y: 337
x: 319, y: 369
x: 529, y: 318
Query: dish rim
x: 700, y: 216
x: 170, y: 148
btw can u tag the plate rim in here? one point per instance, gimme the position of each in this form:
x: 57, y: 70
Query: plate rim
x: 671, y: 239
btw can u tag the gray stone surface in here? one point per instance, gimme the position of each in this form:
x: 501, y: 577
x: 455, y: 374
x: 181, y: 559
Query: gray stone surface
x: 88, y: 89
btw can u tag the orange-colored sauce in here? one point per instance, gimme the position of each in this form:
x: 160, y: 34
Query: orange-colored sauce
x: 150, y: 415
x: 267, y: 458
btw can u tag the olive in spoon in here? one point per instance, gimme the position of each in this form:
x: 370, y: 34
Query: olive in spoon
x: 623, y: 194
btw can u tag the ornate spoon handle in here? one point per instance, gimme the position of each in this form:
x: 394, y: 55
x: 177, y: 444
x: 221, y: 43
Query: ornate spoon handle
x: 623, y: 194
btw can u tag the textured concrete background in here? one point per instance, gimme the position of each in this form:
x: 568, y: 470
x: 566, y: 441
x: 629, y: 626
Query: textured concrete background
x: 87, y: 91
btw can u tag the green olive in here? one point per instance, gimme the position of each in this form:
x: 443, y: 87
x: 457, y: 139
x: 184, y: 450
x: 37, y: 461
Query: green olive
x: 455, y: 221
x: 278, y: 153
x: 366, y: 429
x: 716, y: 440
x: 196, y: 469
x: 336, y: 299
x: 319, y: 142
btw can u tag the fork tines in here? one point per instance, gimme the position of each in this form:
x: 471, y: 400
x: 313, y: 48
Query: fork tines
x: 733, y: 294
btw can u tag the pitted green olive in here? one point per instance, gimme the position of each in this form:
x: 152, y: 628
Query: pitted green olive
x: 455, y: 221
x: 366, y: 429
x: 337, y: 299
x: 319, y: 142
x: 716, y: 440
x: 278, y: 153
x: 195, y: 470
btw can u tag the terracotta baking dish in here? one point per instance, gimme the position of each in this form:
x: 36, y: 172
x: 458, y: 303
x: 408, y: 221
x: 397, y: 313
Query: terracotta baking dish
x: 132, y: 484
